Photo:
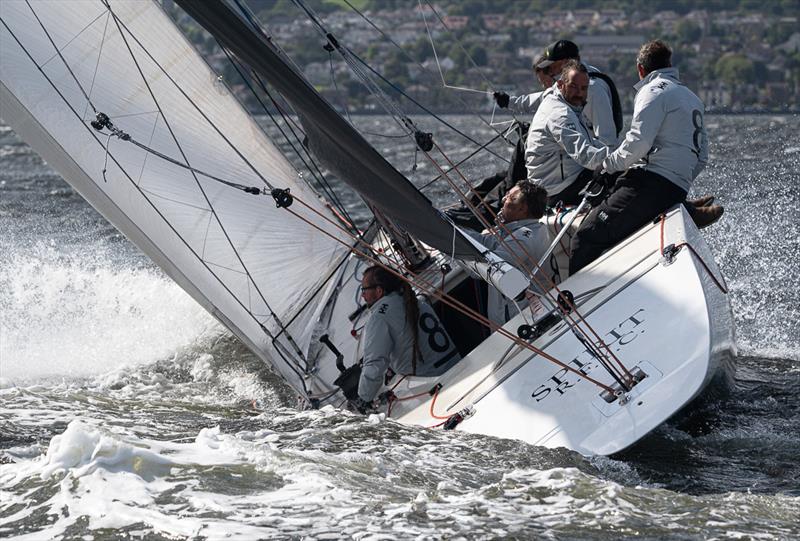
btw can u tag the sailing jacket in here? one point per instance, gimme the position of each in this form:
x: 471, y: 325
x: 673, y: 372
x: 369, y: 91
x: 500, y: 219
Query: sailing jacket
x: 560, y: 145
x: 526, y: 240
x: 667, y: 134
x: 528, y: 103
x: 388, y: 343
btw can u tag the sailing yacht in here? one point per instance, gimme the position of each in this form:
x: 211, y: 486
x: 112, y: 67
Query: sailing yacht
x: 115, y: 98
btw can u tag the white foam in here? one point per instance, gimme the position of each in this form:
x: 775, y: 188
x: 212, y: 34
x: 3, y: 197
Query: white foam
x: 65, y: 315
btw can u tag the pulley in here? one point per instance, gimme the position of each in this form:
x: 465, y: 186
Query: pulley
x: 283, y: 199
x: 424, y: 140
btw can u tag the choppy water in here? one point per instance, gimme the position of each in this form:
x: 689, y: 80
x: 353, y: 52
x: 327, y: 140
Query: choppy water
x: 127, y: 412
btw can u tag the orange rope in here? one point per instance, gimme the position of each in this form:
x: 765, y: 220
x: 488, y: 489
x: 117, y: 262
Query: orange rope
x: 433, y: 403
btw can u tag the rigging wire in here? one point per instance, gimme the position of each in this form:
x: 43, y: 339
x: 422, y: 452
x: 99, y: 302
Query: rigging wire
x: 405, y: 53
x: 431, y: 289
x: 121, y: 25
x: 400, y: 116
x: 307, y: 160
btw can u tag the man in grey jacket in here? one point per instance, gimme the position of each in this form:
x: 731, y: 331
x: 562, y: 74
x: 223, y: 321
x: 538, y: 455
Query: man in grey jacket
x: 402, y: 334
x: 561, y: 151
x: 521, y: 240
x: 664, y: 150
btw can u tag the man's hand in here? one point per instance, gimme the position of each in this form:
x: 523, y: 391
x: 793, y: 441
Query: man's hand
x: 362, y: 406
x: 597, y: 189
x: 502, y: 99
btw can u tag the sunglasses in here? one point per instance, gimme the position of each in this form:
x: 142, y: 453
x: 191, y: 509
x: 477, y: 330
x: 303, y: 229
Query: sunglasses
x: 367, y: 288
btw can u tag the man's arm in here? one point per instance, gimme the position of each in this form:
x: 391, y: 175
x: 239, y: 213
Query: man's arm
x: 647, y: 119
x: 581, y: 147
x: 528, y: 103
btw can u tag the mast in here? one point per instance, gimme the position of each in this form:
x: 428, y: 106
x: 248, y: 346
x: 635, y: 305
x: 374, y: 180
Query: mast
x: 334, y: 141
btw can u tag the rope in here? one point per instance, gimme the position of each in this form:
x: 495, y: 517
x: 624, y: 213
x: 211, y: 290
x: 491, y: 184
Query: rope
x: 618, y: 376
x: 428, y: 288
x: 433, y: 404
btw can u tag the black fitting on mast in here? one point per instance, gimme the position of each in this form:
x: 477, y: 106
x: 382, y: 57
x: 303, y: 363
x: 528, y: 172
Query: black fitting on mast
x: 332, y: 44
x: 283, y: 199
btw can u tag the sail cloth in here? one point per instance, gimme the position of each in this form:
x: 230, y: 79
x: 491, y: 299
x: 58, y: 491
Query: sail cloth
x: 332, y: 140
x: 249, y: 263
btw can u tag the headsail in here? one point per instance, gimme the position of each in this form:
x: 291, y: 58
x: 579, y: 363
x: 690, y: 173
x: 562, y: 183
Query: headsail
x: 241, y: 257
x: 335, y: 142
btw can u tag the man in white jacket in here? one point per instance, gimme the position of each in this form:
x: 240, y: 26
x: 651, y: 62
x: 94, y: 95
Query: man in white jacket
x: 664, y: 150
x: 521, y: 240
x: 561, y: 151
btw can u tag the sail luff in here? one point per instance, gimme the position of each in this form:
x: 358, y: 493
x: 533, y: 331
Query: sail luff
x: 335, y: 142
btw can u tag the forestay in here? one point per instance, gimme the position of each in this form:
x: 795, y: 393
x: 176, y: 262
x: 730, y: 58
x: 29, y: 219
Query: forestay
x: 249, y: 263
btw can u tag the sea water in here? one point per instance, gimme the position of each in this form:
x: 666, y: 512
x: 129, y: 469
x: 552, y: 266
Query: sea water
x: 127, y: 412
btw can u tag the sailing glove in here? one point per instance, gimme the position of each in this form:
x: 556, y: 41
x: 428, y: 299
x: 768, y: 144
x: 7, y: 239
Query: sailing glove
x: 502, y: 99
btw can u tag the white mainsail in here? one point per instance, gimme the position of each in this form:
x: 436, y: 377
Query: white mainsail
x: 250, y: 263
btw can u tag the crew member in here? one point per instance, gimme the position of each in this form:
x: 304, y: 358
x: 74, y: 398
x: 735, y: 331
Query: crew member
x: 603, y: 110
x: 561, y: 153
x: 521, y: 240
x: 662, y: 153
x: 528, y: 103
x: 401, y: 333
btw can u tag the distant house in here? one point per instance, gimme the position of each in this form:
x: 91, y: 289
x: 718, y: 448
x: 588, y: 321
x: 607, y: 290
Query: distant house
x: 792, y: 45
x: 494, y: 21
x: 600, y: 48
x: 456, y: 22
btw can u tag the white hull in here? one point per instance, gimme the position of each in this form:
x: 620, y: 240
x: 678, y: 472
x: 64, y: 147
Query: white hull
x: 671, y: 321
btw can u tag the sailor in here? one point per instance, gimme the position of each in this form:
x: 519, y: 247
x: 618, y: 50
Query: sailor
x: 528, y: 103
x: 562, y: 153
x: 402, y: 333
x: 521, y: 240
x: 603, y: 109
x: 662, y: 153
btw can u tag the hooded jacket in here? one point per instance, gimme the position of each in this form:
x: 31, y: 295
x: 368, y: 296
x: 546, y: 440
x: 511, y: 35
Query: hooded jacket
x: 667, y: 134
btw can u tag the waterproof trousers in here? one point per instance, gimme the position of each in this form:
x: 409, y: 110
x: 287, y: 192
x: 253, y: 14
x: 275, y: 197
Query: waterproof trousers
x: 637, y: 197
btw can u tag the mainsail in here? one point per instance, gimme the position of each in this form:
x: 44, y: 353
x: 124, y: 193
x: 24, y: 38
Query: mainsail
x: 249, y: 263
x: 335, y: 142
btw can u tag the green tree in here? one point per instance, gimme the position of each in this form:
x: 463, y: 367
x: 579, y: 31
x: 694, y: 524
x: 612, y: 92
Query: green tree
x: 478, y: 54
x: 687, y: 31
x: 734, y: 69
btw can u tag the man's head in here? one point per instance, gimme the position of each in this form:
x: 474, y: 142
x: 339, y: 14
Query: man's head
x: 653, y: 55
x: 556, y: 54
x: 542, y: 74
x: 525, y: 200
x: 377, y: 282
x: 574, y: 83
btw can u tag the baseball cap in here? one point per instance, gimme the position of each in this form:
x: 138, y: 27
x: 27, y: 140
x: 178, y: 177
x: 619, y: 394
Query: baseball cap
x: 560, y: 50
